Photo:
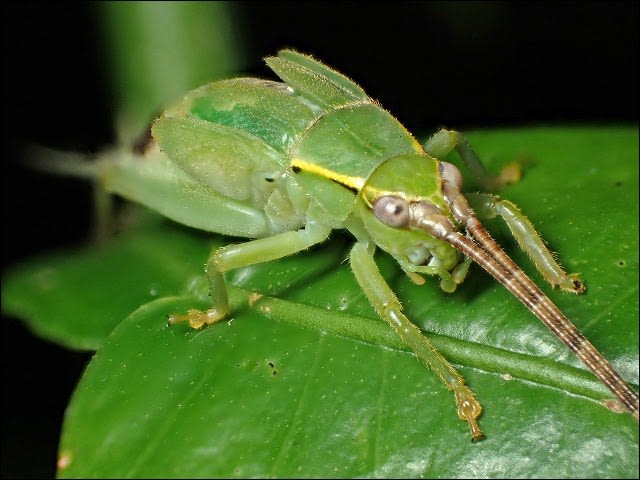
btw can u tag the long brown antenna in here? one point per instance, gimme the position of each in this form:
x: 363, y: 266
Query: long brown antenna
x: 491, y: 257
x: 517, y: 282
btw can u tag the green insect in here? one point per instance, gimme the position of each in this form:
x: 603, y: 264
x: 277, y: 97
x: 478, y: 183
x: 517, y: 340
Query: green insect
x: 285, y: 163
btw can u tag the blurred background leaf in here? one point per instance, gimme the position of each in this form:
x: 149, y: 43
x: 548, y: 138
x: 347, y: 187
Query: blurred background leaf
x: 157, y: 51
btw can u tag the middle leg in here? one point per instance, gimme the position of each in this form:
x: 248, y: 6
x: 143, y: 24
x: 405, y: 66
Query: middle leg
x: 389, y: 308
x: 443, y: 141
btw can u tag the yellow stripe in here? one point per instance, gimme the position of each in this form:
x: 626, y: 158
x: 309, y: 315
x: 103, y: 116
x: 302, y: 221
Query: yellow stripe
x: 351, y: 182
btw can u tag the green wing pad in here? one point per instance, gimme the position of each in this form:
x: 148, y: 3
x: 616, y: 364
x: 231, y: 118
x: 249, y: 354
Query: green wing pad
x: 265, y: 109
x: 314, y: 81
x: 158, y: 183
x: 221, y: 157
x: 321, y: 69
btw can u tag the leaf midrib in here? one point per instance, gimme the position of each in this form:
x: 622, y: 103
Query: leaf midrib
x: 520, y: 366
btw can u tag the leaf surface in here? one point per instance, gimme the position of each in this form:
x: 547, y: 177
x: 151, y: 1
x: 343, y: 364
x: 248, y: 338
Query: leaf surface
x: 305, y: 381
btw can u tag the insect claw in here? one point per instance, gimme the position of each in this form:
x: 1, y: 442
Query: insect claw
x: 469, y: 409
x: 511, y: 173
x: 416, y: 278
x: 572, y: 283
x: 476, y: 433
x: 174, y: 318
x: 196, y: 318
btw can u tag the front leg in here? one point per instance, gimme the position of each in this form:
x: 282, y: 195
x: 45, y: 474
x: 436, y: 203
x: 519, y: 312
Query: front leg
x: 244, y: 254
x: 441, y: 144
x: 389, y: 308
x: 489, y: 206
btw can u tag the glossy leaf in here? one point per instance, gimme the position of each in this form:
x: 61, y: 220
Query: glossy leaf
x: 305, y: 381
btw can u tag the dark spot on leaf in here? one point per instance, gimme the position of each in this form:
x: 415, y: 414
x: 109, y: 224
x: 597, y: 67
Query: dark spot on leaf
x: 621, y: 263
x: 296, y: 169
x: 269, y: 179
x: 618, y: 183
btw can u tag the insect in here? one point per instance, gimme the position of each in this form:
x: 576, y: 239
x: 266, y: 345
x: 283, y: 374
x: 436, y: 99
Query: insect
x: 285, y: 163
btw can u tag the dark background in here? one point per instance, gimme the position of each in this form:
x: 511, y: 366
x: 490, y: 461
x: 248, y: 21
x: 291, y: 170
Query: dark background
x: 463, y: 65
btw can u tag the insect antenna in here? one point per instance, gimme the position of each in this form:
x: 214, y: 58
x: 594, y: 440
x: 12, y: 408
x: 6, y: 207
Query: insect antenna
x: 482, y: 249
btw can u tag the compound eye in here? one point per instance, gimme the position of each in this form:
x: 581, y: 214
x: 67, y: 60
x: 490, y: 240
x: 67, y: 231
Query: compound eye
x: 392, y: 211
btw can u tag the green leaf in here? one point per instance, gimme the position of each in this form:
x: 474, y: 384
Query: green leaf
x: 84, y: 294
x: 305, y: 381
x: 156, y: 51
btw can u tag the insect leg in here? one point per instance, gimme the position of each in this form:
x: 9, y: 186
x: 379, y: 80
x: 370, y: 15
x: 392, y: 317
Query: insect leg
x: 490, y: 206
x: 484, y: 250
x: 231, y: 257
x: 389, y: 308
x: 449, y: 280
x: 77, y: 165
x: 443, y: 141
